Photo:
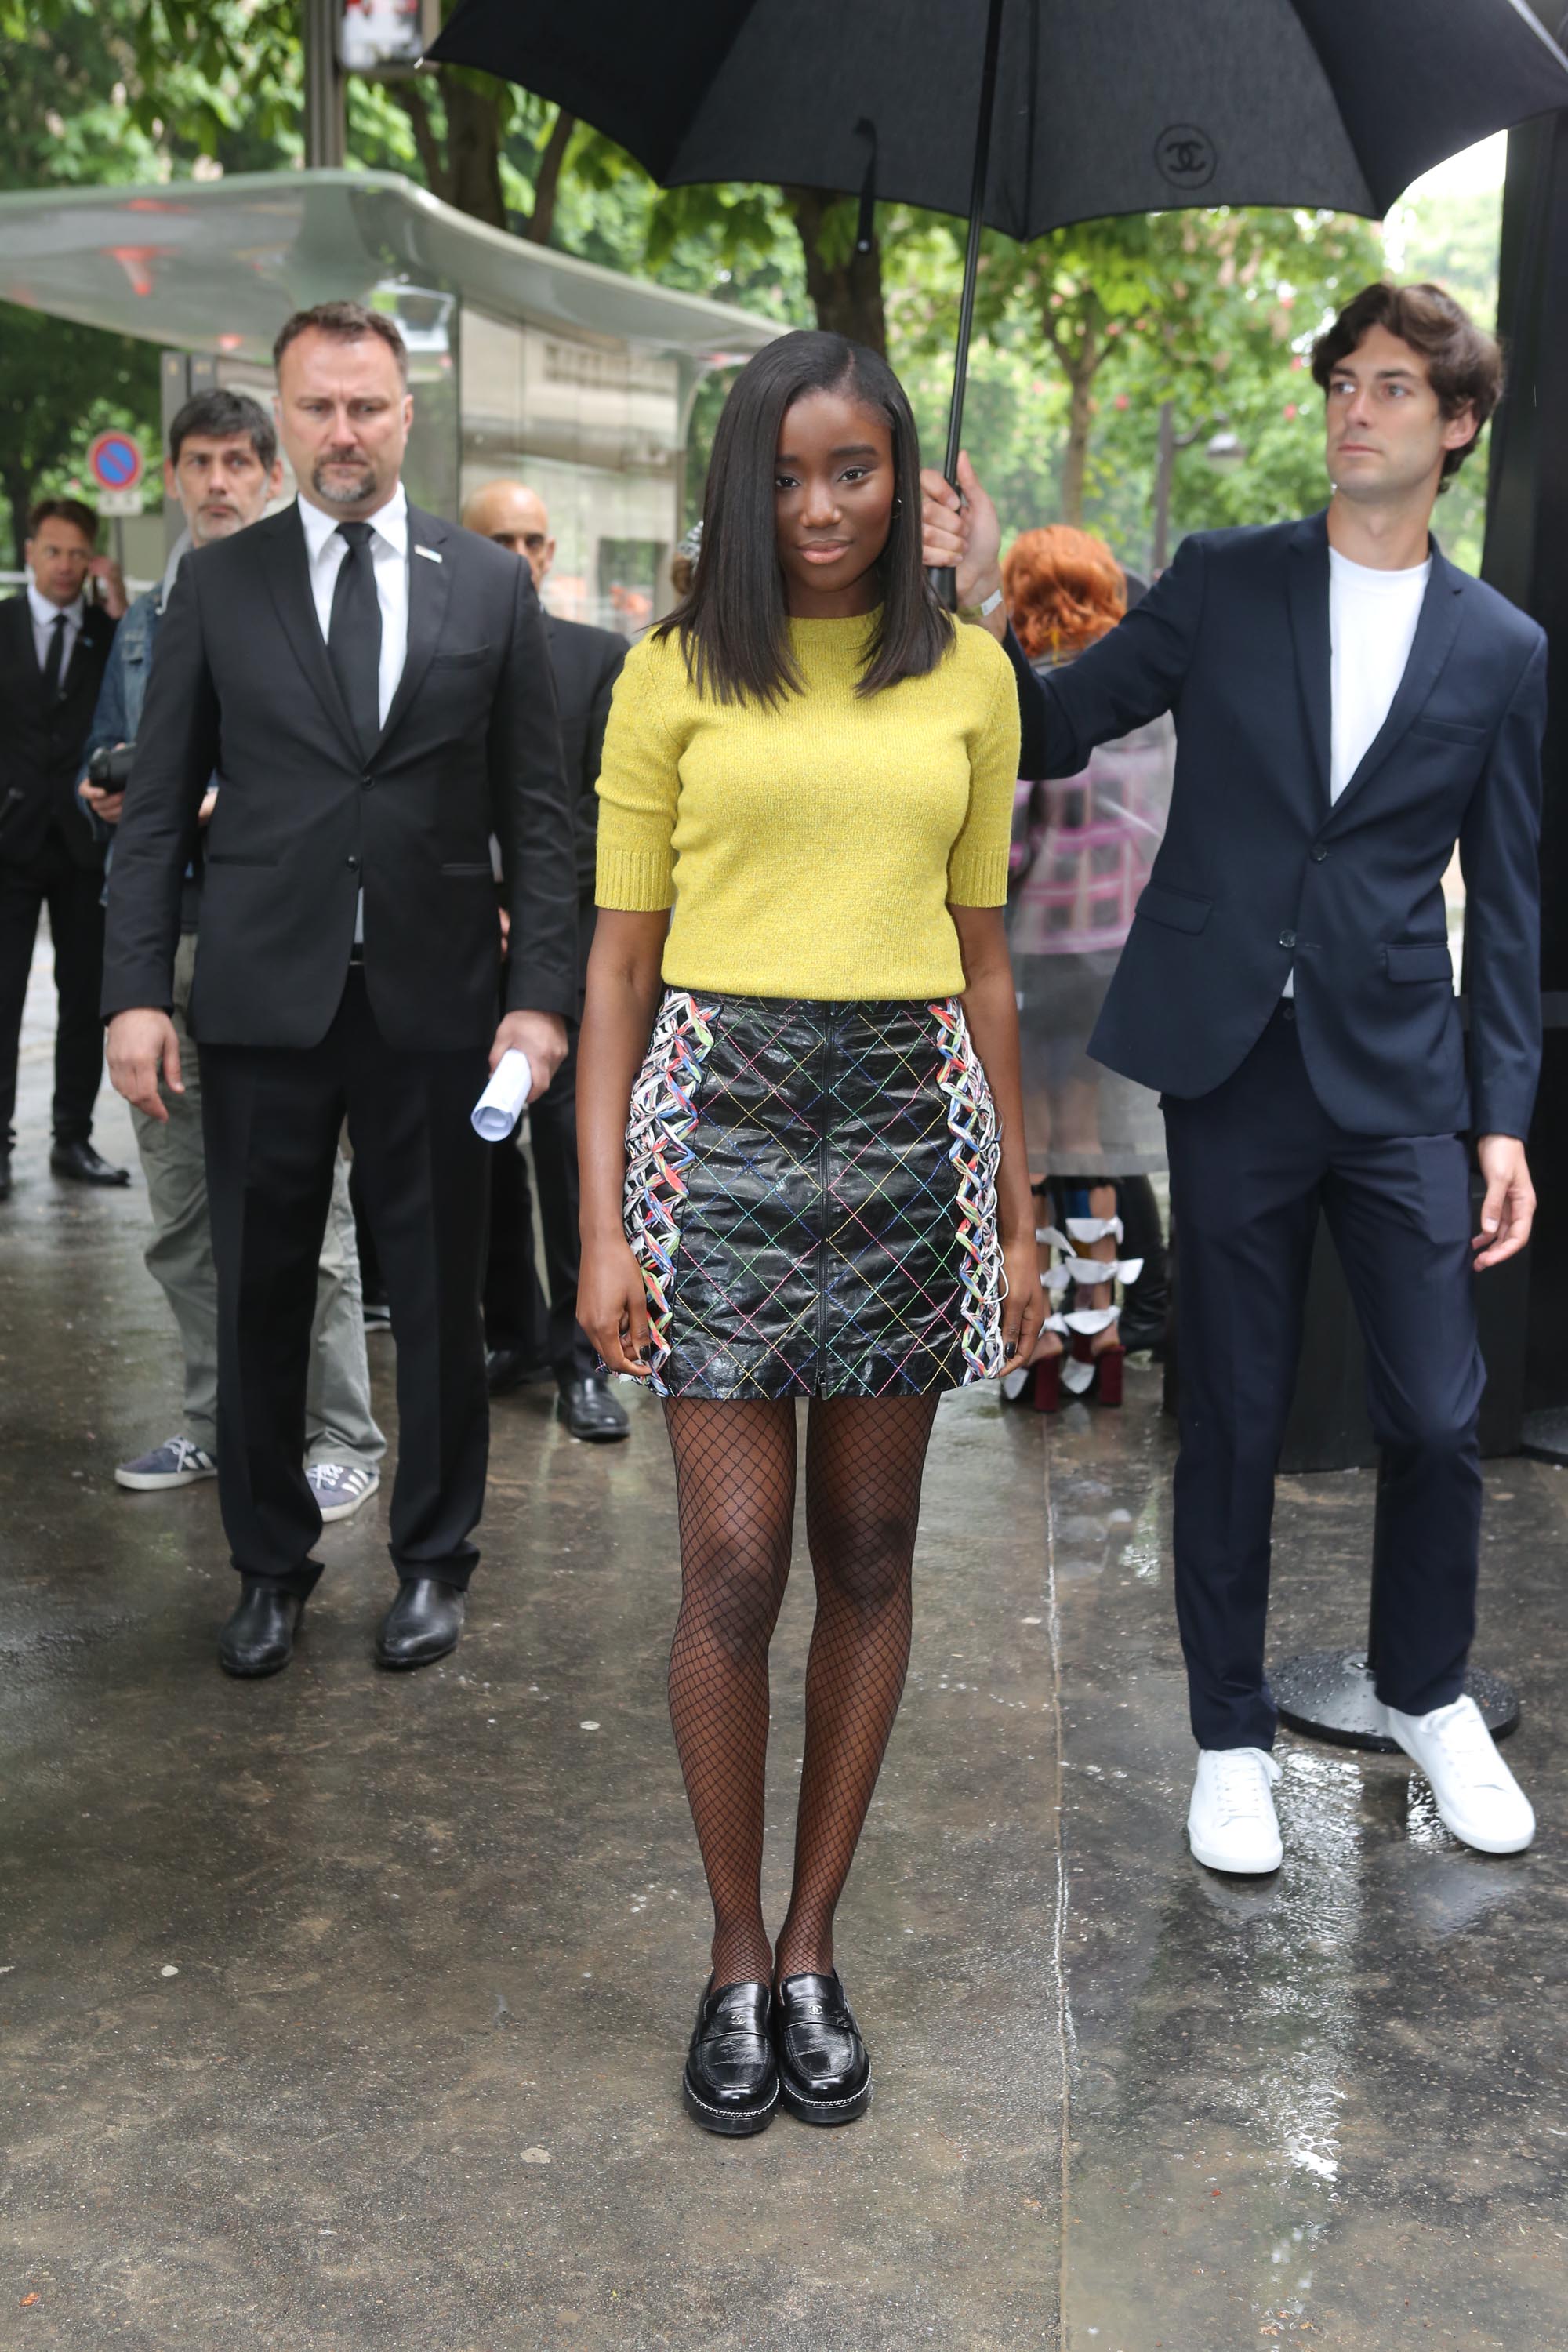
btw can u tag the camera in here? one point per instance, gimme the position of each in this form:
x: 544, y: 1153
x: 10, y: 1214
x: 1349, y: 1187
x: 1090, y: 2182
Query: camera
x: 109, y: 766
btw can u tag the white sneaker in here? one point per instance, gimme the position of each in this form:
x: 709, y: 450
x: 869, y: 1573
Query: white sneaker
x: 339, y: 1489
x: 1231, y: 1823
x: 1477, y: 1795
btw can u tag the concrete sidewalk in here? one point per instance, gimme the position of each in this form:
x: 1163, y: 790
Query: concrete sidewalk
x: 347, y: 2010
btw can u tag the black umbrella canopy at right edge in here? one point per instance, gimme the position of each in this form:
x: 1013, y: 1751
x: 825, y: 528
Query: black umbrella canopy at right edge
x: 1102, y: 106
x: 1032, y: 114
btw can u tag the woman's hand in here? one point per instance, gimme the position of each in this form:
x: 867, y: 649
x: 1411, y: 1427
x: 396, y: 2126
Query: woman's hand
x: 1024, y: 1308
x: 612, y: 1305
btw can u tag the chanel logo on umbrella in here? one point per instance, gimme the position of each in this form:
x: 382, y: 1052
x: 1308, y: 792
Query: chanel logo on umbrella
x: 1186, y: 156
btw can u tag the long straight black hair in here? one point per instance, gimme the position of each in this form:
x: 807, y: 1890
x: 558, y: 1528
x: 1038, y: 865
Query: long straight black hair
x: 734, y: 621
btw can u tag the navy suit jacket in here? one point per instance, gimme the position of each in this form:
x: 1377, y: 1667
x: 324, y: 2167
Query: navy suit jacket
x: 1259, y: 872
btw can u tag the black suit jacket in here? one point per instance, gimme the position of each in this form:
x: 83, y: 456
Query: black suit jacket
x: 586, y: 663
x: 1260, y: 872
x: 40, y: 745
x: 242, y: 685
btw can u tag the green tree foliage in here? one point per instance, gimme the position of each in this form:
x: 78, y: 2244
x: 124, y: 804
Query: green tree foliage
x: 1084, y: 337
x: 65, y: 117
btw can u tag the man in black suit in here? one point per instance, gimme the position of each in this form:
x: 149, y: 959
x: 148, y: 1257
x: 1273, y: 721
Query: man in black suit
x: 521, y: 1333
x: 1347, y: 706
x: 53, y: 647
x: 372, y: 687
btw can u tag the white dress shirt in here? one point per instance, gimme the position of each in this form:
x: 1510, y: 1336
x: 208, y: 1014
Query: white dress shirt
x: 44, y: 615
x: 326, y: 549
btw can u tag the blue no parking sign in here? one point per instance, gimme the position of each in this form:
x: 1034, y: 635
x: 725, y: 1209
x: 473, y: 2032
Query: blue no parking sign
x: 114, y: 461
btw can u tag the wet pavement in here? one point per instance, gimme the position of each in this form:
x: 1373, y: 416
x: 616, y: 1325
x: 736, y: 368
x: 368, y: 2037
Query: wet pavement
x: 347, y: 2010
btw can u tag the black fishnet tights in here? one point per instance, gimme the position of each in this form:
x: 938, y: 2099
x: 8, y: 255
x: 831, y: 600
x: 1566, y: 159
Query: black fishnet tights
x: 735, y: 1478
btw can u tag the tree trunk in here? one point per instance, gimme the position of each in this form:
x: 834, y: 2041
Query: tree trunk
x: 547, y: 179
x: 1080, y: 365
x: 473, y: 151
x: 411, y: 97
x: 846, y: 295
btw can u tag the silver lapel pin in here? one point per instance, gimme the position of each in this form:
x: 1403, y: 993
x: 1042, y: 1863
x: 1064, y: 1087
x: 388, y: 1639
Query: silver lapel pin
x: 428, y: 553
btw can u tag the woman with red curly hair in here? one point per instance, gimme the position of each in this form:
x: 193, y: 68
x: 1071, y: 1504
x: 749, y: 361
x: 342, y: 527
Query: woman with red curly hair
x: 1082, y: 848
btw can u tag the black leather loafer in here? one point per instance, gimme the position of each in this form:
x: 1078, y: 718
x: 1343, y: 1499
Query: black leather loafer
x: 590, y: 1411
x: 83, y: 1165
x: 422, y: 1624
x: 260, y: 1637
x: 731, y: 2080
x: 512, y: 1367
x: 824, y: 2075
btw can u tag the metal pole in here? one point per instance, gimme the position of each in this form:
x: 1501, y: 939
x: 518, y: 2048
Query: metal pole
x: 942, y: 579
x: 1164, y: 465
x: 325, y: 133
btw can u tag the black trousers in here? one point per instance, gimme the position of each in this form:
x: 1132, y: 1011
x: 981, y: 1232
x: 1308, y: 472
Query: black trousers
x: 1250, y: 1165
x: 271, y: 1123
x: 72, y: 895
x: 516, y: 1313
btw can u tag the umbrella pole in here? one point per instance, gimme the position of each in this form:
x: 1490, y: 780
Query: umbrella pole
x: 943, y: 580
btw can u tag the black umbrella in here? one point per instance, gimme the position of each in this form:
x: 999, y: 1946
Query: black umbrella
x: 1031, y: 114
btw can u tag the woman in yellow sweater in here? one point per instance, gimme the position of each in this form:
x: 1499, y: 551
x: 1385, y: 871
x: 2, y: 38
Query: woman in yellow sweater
x: 801, y: 1135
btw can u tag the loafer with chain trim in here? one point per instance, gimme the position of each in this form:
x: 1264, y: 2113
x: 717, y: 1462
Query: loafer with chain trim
x: 732, y: 2080
x: 824, y: 2073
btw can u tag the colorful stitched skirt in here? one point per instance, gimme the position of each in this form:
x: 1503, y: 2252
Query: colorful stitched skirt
x: 811, y: 1193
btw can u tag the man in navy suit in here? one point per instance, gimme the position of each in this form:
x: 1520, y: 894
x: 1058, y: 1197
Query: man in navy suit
x: 1347, y: 706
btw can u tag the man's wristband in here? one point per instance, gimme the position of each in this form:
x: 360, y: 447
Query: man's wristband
x: 980, y: 612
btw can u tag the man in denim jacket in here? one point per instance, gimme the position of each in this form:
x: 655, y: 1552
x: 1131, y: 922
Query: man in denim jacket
x: 223, y: 468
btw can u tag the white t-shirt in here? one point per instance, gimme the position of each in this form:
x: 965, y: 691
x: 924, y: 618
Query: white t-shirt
x: 1371, y: 627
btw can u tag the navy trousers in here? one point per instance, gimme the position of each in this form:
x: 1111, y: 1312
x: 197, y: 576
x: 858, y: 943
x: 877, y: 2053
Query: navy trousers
x: 1250, y: 1164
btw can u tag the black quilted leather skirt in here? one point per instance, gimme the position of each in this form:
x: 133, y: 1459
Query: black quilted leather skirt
x: 811, y: 1193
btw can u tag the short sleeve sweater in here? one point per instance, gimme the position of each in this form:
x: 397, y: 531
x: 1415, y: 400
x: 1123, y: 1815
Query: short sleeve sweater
x: 810, y: 849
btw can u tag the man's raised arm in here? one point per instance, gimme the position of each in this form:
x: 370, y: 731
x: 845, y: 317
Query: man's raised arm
x: 1125, y: 681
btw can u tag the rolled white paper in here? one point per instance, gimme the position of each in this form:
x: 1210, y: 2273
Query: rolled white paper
x: 511, y: 1082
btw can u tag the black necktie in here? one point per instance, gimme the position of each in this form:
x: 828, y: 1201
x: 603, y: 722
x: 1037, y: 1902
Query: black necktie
x: 55, y: 659
x: 354, y: 636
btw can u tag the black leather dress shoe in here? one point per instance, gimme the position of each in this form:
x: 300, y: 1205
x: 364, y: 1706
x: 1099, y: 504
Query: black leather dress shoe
x: 260, y: 1637
x: 422, y: 1624
x: 512, y: 1367
x: 732, y: 2080
x: 83, y: 1165
x: 590, y: 1411
x: 824, y: 2075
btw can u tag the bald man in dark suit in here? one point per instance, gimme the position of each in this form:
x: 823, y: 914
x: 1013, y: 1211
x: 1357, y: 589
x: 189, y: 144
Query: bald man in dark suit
x: 524, y: 1334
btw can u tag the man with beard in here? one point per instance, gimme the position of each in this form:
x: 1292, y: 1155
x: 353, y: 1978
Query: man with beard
x: 379, y: 687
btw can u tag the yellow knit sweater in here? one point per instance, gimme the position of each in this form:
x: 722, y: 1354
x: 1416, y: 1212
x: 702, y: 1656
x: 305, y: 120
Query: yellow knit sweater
x: 810, y: 849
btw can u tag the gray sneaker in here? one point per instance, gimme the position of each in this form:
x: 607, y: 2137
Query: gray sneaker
x: 176, y: 1463
x: 339, y: 1489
